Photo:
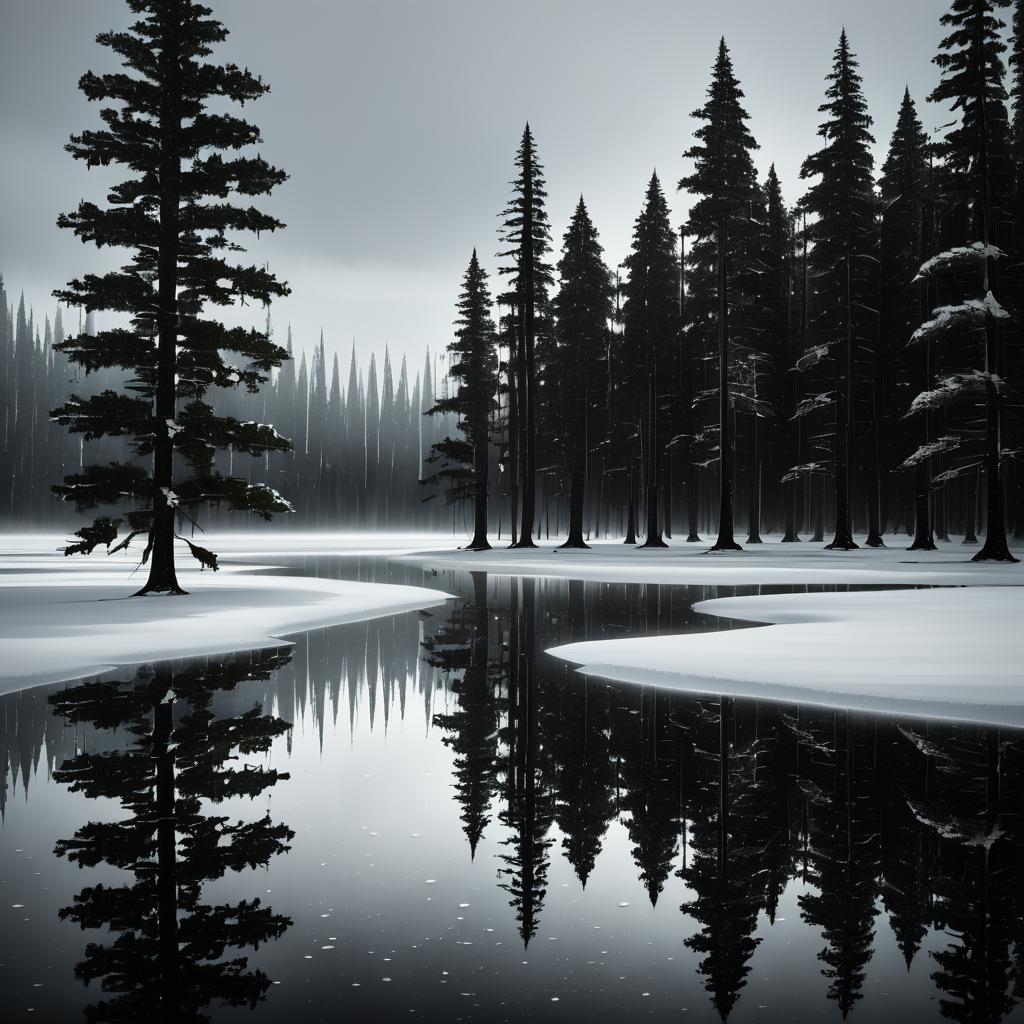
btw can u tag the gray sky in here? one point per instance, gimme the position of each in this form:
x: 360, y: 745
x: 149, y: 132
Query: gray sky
x: 398, y: 121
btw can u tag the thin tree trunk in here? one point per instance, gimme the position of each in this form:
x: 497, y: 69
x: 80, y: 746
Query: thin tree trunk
x: 843, y: 442
x: 725, y: 541
x: 481, y: 456
x: 162, y: 576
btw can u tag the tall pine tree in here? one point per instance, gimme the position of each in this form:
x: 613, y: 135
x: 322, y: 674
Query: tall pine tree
x: 844, y: 262
x: 724, y: 178
x: 578, y: 374
x: 525, y: 229
x: 979, y: 176
x: 174, y: 213
x: 474, y: 366
x: 650, y: 314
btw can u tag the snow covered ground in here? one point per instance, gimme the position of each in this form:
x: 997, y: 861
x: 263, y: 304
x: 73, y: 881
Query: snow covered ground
x: 61, y: 618
x: 949, y: 653
x: 768, y: 563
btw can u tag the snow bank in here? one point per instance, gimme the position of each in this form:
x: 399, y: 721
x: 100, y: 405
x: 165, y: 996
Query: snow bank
x: 951, y: 653
x: 59, y: 623
x: 768, y: 563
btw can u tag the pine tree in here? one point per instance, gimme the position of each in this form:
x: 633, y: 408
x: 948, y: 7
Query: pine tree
x: 724, y: 178
x: 844, y: 263
x: 525, y: 229
x: 650, y: 315
x: 174, y: 214
x: 466, y: 460
x: 903, y: 190
x: 577, y: 376
x: 976, y: 154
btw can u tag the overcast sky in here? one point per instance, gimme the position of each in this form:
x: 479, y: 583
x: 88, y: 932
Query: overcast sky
x: 398, y: 121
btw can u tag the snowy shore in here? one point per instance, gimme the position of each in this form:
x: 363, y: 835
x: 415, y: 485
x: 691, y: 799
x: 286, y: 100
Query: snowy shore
x: 952, y: 653
x: 64, y: 618
x: 769, y: 563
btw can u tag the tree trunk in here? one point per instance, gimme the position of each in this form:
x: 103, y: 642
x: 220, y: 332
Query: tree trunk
x: 754, y: 526
x: 653, y: 474
x: 725, y: 541
x: 693, y: 504
x: 480, y: 481
x: 843, y: 441
x: 162, y: 576
x: 631, y: 514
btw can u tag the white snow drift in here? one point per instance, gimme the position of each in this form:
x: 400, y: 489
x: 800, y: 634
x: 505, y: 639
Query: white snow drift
x: 61, y: 624
x: 949, y: 653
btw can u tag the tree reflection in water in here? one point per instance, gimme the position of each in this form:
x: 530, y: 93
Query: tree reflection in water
x: 170, y: 955
x: 919, y: 820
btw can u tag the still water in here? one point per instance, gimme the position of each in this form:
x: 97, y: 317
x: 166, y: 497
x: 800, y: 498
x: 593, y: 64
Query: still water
x: 426, y: 817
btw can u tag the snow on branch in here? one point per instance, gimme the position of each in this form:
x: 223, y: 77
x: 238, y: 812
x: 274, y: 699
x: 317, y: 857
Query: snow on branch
x: 819, y: 401
x: 812, y: 357
x: 970, y: 314
x: 960, y: 258
x: 948, y: 443
x: 955, y: 387
x: 796, y: 472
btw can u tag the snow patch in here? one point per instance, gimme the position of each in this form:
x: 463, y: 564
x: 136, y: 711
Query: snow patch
x: 947, y: 653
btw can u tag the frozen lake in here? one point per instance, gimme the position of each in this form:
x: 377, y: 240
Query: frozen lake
x: 426, y: 816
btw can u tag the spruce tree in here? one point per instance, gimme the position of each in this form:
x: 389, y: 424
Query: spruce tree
x: 903, y: 190
x: 577, y: 376
x: 525, y: 229
x: 650, y: 315
x: 979, y: 176
x: 465, y: 460
x: 724, y: 178
x: 843, y: 260
x: 174, y: 212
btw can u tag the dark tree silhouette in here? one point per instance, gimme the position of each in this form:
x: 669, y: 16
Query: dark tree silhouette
x: 577, y: 373
x: 650, y: 314
x: 175, y: 214
x: 165, y: 954
x: 980, y: 177
x: 474, y: 367
x: 720, y: 222
x: 844, y: 263
x: 903, y: 189
x: 525, y: 229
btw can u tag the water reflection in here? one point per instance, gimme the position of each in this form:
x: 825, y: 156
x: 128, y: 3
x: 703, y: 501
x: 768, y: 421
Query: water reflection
x: 918, y: 820
x: 166, y: 954
x: 894, y: 846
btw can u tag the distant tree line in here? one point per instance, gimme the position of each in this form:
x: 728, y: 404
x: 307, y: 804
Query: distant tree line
x: 360, y: 438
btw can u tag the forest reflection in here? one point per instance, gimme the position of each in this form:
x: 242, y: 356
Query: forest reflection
x: 915, y: 823
x: 918, y: 820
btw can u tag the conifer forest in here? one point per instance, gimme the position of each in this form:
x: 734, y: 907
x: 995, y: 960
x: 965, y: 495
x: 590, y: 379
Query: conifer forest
x: 512, y: 516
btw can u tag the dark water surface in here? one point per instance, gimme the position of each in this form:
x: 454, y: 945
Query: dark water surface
x: 427, y: 817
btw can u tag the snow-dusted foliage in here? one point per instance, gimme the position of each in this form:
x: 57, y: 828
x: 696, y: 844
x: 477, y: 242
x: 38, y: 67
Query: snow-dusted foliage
x: 798, y: 472
x: 970, y: 384
x: 812, y: 402
x: 971, y: 314
x: 940, y: 446
x: 958, y: 259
